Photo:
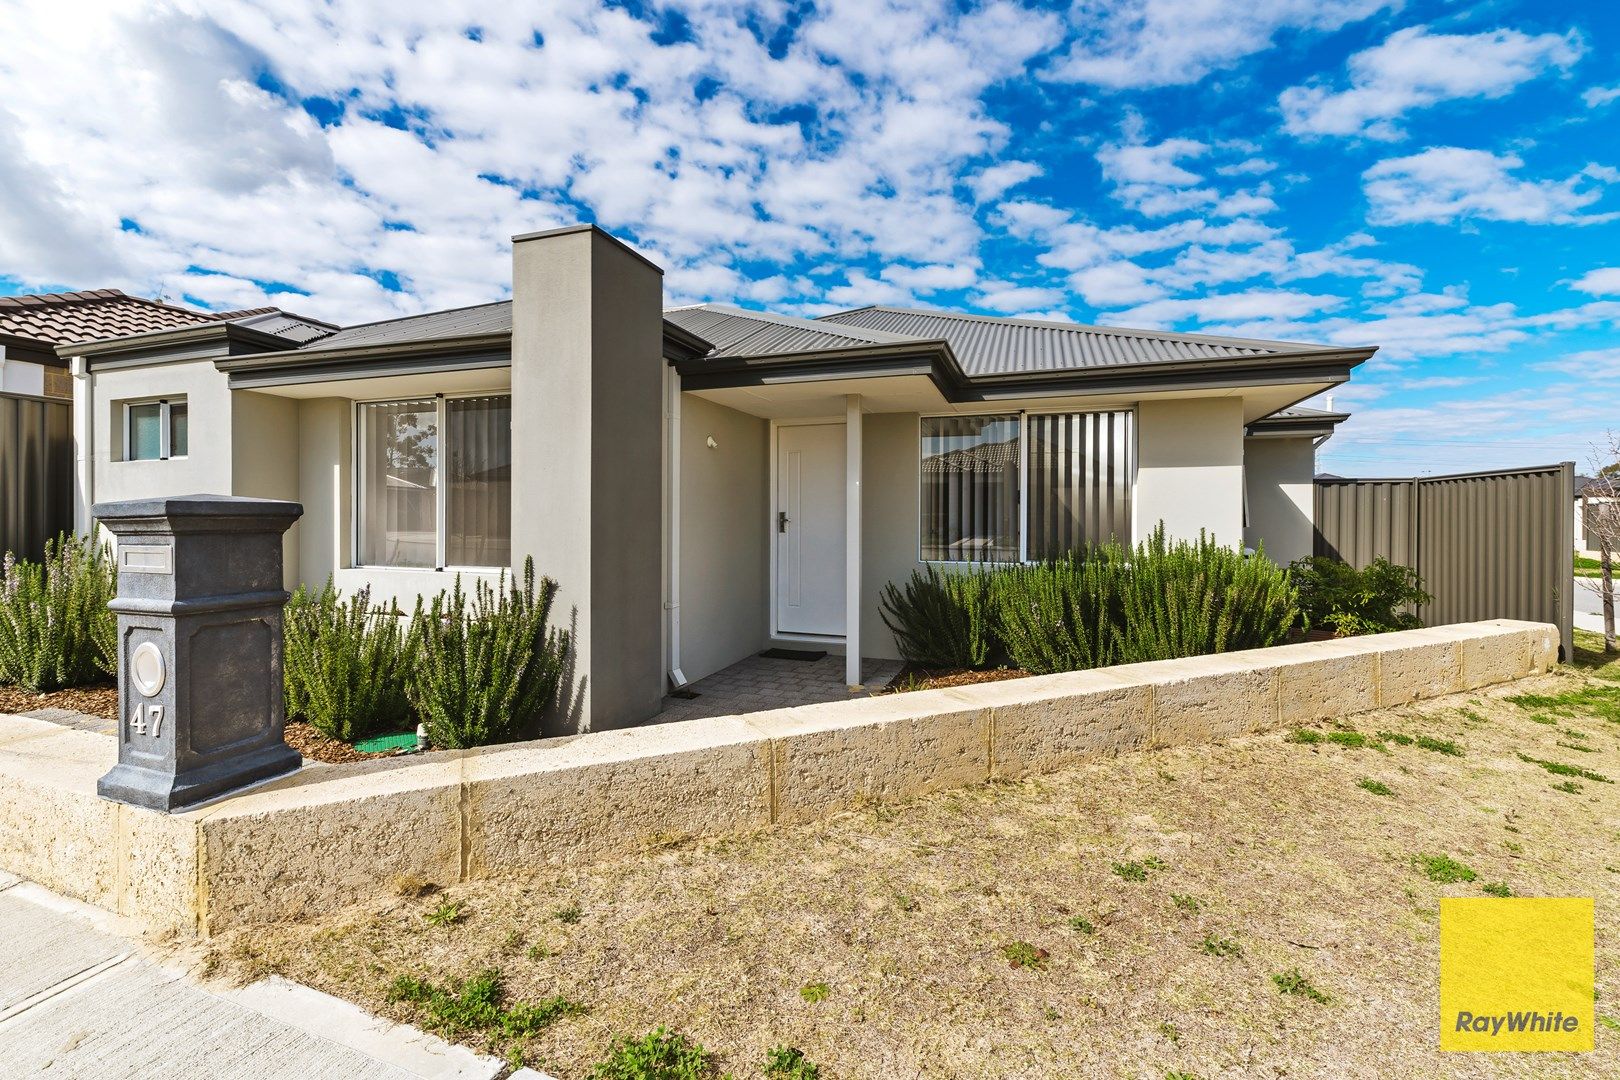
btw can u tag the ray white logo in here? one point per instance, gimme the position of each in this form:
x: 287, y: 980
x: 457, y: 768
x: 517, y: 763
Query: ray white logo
x: 1515, y: 1023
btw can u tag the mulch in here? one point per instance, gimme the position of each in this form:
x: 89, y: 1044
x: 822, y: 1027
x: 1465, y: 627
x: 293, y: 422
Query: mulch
x: 99, y: 701
x: 304, y: 738
x: 923, y: 679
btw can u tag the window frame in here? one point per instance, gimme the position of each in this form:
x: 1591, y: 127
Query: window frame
x: 440, y: 491
x: 1023, y: 474
x: 165, y: 427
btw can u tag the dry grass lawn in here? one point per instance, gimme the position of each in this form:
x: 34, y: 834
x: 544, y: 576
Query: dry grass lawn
x: 1153, y: 897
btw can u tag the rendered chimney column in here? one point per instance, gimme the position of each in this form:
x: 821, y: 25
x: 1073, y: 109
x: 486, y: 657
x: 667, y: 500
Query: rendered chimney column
x: 588, y: 459
x: 199, y: 605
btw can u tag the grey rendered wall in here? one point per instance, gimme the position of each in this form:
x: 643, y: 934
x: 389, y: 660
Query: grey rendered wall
x: 1280, y: 475
x: 725, y: 548
x: 205, y: 470
x: 36, y: 473
x: 889, y: 478
x: 325, y: 473
x: 1190, y: 468
x: 265, y: 440
x: 587, y: 343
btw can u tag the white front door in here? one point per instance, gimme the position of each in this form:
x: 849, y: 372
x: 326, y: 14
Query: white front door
x: 809, y: 528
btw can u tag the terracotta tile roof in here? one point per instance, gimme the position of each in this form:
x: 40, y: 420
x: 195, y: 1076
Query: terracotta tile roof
x: 97, y: 314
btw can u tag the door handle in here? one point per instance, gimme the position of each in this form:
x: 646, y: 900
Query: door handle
x: 781, y: 521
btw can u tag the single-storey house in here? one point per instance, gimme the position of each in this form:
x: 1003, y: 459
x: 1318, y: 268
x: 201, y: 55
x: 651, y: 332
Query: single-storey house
x: 1596, y: 500
x: 36, y: 436
x: 706, y: 481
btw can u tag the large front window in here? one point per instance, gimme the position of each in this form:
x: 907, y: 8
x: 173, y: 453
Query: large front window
x: 436, y: 482
x: 1004, y: 488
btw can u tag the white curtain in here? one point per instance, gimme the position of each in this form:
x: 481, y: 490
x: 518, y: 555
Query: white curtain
x: 478, y: 481
x: 399, y: 447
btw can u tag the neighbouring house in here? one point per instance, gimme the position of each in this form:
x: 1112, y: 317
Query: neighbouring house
x: 703, y: 481
x: 1595, y: 496
x: 36, y: 437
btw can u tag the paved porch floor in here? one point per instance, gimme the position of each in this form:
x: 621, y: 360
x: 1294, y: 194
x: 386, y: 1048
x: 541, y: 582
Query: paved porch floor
x: 759, y: 683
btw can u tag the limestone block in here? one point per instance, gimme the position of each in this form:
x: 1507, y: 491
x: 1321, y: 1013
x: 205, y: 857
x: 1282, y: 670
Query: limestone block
x: 881, y: 749
x: 1321, y: 679
x: 1049, y: 722
x: 577, y: 799
x: 1492, y: 653
x: 1414, y: 665
x: 157, y: 870
x: 1201, y: 699
x: 327, y: 837
x: 53, y: 829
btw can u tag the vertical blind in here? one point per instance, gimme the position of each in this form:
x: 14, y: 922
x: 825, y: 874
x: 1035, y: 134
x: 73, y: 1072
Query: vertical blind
x: 1080, y: 472
x: 1065, y: 479
x: 478, y: 481
x: 970, y: 488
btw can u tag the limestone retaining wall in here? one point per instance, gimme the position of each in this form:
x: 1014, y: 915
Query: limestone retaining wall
x: 333, y: 835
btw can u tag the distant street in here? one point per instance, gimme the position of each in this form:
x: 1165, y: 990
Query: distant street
x: 1588, y: 605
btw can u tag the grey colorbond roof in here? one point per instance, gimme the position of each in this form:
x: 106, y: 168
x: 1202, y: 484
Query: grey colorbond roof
x: 987, y: 346
x: 736, y: 332
x: 293, y: 328
x: 477, y: 321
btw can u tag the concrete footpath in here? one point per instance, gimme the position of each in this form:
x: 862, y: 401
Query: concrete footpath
x: 81, y: 999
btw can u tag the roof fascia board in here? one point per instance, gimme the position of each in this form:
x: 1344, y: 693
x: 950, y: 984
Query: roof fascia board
x: 313, y: 355
x: 375, y: 367
x: 183, y: 343
x: 958, y: 388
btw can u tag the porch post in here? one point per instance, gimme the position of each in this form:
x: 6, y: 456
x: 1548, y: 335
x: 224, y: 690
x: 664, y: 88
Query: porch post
x: 852, y: 540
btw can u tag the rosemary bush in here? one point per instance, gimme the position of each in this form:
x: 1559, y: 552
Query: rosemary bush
x: 1105, y: 605
x: 55, y: 628
x: 1060, y: 615
x: 1192, y: 598
x: 484, y: 672
x: 942, y: 620
x: 346, y: 664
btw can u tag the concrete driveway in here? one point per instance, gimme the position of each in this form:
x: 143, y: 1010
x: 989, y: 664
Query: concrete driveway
x: 81, y: 999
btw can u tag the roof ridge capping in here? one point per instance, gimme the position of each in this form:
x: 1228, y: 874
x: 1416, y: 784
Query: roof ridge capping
x: 1096, y: 328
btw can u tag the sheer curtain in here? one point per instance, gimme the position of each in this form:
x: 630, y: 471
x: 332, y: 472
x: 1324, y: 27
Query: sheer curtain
x: 478, y: 481
x: 399, y: 449
x: 970, y: 488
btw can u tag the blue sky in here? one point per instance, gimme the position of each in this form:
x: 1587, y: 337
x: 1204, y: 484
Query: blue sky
x: 1439, y: 179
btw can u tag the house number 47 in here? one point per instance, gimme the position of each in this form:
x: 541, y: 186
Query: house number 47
x: 146, y: 715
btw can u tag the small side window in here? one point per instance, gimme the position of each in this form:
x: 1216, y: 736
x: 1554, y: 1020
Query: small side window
x: 156, y: 430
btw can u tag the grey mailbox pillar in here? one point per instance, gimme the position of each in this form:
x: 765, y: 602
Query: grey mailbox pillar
x: 199, y: 647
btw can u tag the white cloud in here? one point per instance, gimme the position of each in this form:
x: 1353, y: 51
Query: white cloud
x: 1142, y: 43
x: 931, y: 278
x: 1151, y: 179
x: 1598, y: 96
x: 992, y: 183
x: 711, y: 154
x: 1446, y: 183
x: 1255, y: 305
x: 1589, y: 364
x: 1413, y: 69
x: 1601, y: 282
x: 1010, y: 298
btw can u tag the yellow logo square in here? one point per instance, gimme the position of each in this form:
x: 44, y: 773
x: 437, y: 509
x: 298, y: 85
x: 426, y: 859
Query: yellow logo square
x: 1516, y: 973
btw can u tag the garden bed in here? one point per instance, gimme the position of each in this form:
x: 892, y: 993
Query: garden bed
x: 913, y: 678
x: 100, y: 701
x: 1178, y: 911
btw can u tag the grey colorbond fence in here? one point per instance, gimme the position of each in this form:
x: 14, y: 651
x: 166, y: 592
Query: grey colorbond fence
x: 36, y: 473
x: 1489, y: 545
